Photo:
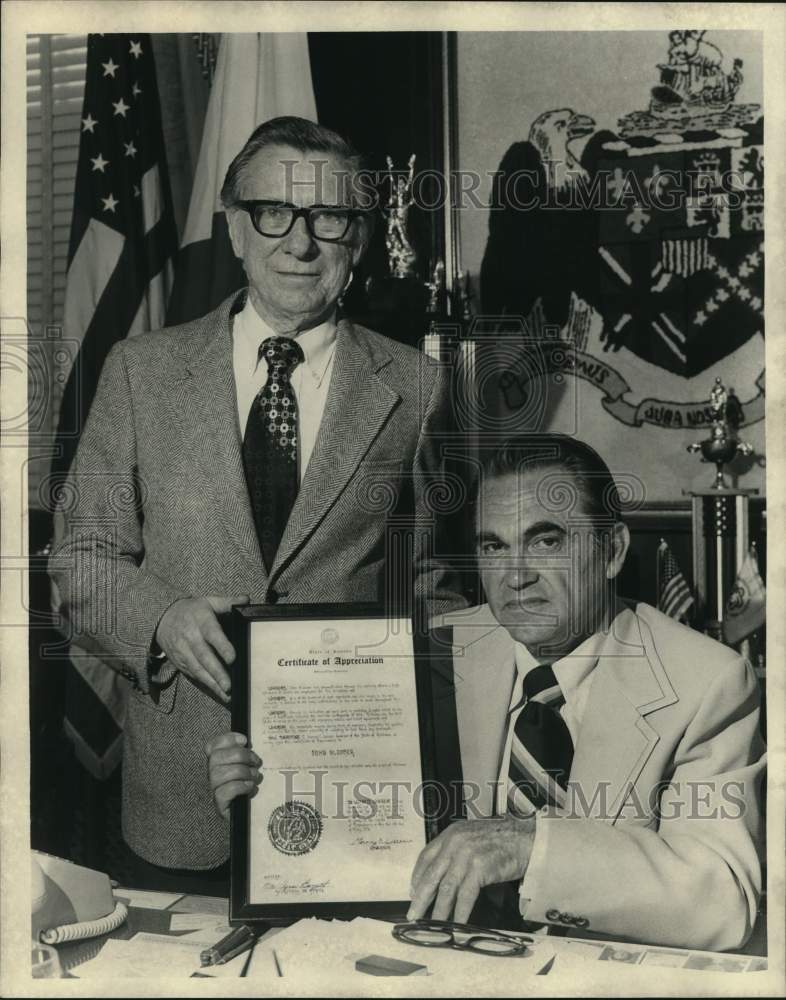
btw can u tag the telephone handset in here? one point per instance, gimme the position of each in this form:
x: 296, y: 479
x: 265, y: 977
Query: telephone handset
x: 71, y: 902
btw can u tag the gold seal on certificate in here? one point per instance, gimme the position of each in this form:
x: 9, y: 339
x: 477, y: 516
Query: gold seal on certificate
x: 334, y: 702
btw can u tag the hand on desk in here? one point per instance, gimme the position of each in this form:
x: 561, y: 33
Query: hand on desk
x: 463, y: 859
x: 233, y: 769
x: 193, y: 640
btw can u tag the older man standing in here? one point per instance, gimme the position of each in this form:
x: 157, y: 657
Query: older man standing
x: 240, y: 457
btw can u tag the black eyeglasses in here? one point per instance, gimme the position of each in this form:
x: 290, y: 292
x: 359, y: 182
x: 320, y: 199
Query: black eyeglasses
x: 324, y: 222
x: 442, y: 934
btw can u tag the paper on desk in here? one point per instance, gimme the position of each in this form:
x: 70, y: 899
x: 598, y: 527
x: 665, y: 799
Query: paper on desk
x: 142, y: 956
x: 206, y: 937
x: 206, y: 924
x: 572, y: 954
x: 325, y: 950
x: 192, y: 921
x: 148, y: 900
x: 202, y: 905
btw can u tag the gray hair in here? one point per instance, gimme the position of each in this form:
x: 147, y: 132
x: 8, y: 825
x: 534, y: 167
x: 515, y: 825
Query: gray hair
x: 298, y: 133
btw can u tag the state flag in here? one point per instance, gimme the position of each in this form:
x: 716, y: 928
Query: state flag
x: 258, y: 77
x: 746, y: 607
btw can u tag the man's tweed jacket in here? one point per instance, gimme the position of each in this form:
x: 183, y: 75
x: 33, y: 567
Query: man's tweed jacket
x: 156, y: 509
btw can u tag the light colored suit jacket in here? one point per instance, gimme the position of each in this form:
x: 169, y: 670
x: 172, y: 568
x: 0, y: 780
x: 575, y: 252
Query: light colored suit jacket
x: 156, y: 508
x: 659, y: 840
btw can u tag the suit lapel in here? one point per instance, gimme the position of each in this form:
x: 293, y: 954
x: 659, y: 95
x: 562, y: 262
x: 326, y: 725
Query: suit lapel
x: 202, y: 392
x: 615, y: 740
x: 483, y: 673
x: 357, y: 406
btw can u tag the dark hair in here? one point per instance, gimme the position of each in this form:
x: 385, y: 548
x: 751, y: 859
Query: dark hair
x: 591, y: 477
x: 299, y: 134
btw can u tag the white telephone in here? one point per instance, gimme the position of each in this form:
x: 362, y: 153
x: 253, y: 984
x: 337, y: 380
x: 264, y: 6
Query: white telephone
x: 70, y: 902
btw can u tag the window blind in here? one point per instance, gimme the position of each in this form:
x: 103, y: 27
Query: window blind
x: 55, y: 88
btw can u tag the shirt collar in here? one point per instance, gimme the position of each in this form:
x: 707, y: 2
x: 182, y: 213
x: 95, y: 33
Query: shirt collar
x: 318, y: 343
x: 571, y: 669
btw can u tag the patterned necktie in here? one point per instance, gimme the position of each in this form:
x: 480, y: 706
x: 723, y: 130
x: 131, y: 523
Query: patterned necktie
x: 270, y: 445
x: 541, y: 750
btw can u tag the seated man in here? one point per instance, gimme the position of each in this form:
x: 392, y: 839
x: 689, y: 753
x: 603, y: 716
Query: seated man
x: 610, y: 755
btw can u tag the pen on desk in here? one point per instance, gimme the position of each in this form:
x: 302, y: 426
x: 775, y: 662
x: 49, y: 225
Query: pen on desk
x: 247, y: 963
x: 228, y: 947
x: 279, y: 973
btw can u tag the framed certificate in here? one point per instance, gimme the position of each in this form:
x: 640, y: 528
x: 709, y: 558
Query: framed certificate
x: 336, y: 701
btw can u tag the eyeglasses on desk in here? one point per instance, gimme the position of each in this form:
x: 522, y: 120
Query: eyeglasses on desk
x: 464, y: 937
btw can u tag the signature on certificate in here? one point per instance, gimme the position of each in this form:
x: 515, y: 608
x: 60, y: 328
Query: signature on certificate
x: 380, y: 843
x: 305, y: 888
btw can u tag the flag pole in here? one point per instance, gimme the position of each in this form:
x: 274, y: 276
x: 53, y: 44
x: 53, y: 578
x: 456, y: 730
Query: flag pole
x: 719, y: 578
x: 449, y: 154
x: 745, y: 645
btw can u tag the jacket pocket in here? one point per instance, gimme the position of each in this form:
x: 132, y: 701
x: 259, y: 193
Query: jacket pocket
x: 161, y: 697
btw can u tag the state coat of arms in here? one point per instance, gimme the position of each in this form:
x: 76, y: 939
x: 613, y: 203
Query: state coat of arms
x: 645, y: 250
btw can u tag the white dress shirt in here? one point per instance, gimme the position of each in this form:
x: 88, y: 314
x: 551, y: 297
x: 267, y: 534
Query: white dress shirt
x: 574, y: 674
x: 310, y: 379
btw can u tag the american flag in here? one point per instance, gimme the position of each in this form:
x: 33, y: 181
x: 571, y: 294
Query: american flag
x: 123, y: 232
x: 674, y: 596
x: 123, y: 236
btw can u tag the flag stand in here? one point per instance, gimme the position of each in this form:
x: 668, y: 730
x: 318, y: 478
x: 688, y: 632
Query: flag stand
x: 720, y: 528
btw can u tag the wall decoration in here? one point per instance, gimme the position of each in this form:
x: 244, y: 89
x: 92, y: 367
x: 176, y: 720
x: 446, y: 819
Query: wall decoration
x: 639, y: 256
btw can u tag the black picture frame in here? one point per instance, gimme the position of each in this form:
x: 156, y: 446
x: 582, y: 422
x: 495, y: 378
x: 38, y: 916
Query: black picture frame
x: 244, y: 910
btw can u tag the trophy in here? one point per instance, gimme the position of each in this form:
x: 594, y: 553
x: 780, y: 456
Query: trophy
x: 723, y: 444
x: 719, y: 514
x: 401, y: 256
x: 436, y: 288
x: 399, y: 300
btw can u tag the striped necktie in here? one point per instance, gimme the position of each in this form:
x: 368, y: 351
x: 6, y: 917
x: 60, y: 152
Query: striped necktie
x: 541, y: 750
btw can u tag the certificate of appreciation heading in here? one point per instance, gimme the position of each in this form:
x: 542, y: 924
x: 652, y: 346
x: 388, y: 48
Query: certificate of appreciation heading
x: 334, y: 717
